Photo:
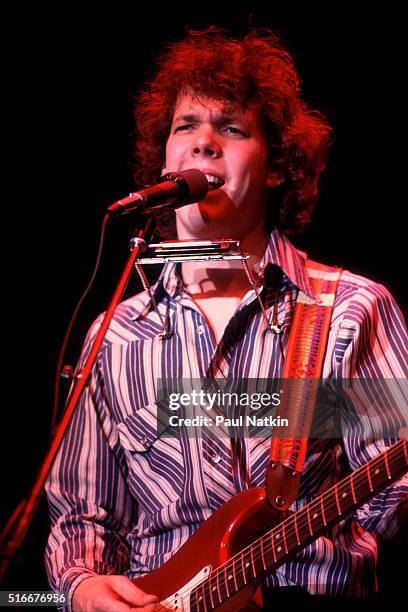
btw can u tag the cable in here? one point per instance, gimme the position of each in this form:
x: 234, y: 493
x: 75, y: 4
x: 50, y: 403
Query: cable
x: 67, y: 336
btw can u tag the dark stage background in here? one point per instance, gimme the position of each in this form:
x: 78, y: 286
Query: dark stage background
x: 71, y: 77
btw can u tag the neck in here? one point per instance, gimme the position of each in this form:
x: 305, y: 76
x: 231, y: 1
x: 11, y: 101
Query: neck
x: 225, y: 278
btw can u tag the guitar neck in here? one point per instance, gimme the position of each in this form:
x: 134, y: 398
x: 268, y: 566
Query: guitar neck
x: 291, y: 535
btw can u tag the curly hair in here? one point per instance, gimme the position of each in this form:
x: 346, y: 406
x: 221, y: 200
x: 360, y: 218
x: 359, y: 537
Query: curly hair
x: 254, y: 71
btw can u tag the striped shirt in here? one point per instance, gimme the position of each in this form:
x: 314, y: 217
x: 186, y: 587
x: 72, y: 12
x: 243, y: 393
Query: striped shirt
x: 123, y: 499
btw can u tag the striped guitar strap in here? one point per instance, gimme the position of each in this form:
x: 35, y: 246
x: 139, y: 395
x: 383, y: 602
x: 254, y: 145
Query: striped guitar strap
x: 302, y: 368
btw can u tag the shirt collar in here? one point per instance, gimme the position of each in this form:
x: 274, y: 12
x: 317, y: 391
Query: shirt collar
x: 279, y: 251
x: 169, y: 282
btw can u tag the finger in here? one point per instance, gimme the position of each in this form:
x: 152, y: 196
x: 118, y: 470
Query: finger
x: 149, y: 608
x: 132, y: 594
x: 115, y: 603
x: 112, y: 604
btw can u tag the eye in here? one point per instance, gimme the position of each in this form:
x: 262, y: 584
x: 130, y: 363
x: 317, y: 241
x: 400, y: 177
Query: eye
x: 230, y: 129
x: 184, y: 127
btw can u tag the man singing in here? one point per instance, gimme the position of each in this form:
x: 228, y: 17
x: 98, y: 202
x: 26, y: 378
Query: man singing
x: 124, y: 499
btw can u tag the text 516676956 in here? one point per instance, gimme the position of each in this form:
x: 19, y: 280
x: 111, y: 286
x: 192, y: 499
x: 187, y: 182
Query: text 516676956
x: 32, y: 598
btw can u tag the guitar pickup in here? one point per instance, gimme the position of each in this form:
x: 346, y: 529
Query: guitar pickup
x: 193, y: 250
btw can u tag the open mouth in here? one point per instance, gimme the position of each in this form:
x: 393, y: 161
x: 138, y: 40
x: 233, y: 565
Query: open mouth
x: 214, y: 182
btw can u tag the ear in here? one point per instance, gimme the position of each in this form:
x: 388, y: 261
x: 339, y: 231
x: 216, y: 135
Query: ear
x: 274, y: 178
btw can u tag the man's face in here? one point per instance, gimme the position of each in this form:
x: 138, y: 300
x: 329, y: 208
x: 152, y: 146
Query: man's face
x: 226, y: 144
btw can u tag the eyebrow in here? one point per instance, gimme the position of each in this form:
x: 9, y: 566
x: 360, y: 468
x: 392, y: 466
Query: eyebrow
x: 223, y: 118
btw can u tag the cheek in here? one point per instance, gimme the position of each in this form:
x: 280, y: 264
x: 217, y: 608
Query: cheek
x: 169, y: 148
x: 259, y: 169
x: 249, y: 166
x: 175, y: 151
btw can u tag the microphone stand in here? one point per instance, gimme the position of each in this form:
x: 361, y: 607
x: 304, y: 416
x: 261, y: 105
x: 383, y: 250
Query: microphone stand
x: 14, y: 543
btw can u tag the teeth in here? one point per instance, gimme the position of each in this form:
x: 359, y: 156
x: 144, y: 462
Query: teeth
x: 214, y: 179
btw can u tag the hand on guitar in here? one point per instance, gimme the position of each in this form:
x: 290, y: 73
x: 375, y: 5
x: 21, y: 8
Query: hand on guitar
x: 111, y: 594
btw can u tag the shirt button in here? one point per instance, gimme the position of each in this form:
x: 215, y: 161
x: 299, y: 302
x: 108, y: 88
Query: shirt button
x: 143, y: 441
x: 216, y: 458
x: 200, y: 329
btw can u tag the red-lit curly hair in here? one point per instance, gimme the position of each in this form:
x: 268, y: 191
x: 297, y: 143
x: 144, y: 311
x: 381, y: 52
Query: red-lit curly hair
x: 257, y: 72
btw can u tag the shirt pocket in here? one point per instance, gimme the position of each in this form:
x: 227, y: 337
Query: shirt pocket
x: 155, y: 460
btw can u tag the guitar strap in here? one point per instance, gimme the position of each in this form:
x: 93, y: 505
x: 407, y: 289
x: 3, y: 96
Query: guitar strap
x: 301, y: 373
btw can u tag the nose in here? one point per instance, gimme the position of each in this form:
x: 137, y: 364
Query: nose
x: 205, y: 144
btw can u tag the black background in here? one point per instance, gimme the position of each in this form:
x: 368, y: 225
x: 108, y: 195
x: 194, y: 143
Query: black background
x: 69, y: 78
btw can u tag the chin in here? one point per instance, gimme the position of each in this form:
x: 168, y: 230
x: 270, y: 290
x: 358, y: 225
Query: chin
x: 217, y: 200
x: 213, y: 217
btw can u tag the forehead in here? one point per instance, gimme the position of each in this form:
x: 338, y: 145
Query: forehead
x: 201, y: 106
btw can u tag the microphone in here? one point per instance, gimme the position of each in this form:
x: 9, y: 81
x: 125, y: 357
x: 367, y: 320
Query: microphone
x: 174, y: 189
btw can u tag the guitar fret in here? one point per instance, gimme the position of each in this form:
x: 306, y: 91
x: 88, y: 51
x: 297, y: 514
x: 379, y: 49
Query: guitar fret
x: 210, y: 589
x: 262, y: 554
x: 226, y: 579
x: 308, y: 519
x: 292, y: 533
x: 234, y: 574
x: 387, y: 467
x: 273, y: 547
x: 370, y: 484
x: 344, y: 497
x: 252, y: 561
x: 380, y: 473
x: 243, y: 568
x: 352, y: 489
x: 284, y: 537
x: 268, y: 551
x: 296, y: 530
x: 337, y: 500
x: 323, y: 514
x: 248, y: 563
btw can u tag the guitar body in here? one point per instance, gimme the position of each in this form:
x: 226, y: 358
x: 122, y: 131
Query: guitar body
x: 221, y: 566
x: 231, y: 528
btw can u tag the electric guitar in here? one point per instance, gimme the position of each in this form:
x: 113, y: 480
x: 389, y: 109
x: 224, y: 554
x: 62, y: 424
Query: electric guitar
x: 222, y: 564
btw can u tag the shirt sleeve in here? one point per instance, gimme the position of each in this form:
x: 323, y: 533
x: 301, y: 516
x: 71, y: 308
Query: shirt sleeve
x: 377, y: 349
x: 91, y: 509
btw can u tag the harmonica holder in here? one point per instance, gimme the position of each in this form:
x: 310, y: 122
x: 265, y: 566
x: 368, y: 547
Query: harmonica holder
x: 180, y: 251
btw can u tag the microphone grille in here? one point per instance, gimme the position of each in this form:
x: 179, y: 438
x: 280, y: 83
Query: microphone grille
x: 197, y: 185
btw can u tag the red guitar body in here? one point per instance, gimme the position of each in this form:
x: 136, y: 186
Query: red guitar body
x: 222, y: 564
x: 231, y: 528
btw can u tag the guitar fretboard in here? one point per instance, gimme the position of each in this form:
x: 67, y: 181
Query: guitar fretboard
x: 291, y: 535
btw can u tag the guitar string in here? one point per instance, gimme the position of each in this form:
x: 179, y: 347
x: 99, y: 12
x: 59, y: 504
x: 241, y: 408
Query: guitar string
x: 257, y: 556
x: 222, y: 569
x: 233, y: 568
x: 314, y: 504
